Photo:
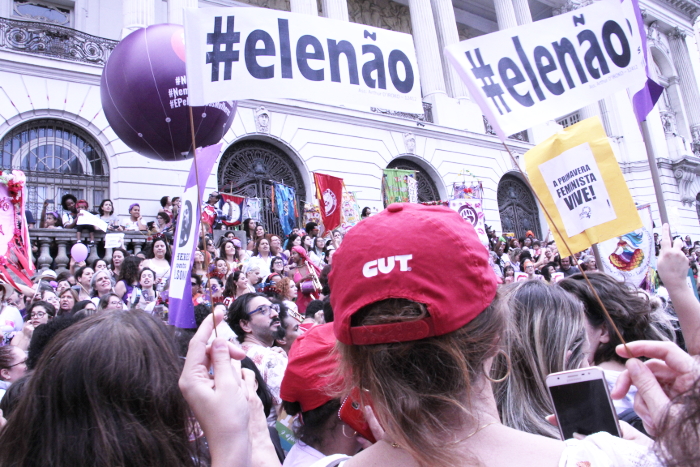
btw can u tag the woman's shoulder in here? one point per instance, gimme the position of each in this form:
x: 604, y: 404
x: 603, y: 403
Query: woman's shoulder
x: 605, y: 450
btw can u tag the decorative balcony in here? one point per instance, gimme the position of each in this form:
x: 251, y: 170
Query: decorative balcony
x: 54, y: 41
x: 55, y: 244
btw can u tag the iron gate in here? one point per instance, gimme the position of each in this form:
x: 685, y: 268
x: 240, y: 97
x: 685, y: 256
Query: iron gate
x: 251, y: 168
x: 517, y: 207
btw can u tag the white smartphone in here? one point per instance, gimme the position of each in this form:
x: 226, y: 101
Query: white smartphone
x: 582, y: 402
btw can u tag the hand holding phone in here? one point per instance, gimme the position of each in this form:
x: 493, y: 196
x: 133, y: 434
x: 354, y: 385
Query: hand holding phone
x: 582, y: 402
x: 351, y: 413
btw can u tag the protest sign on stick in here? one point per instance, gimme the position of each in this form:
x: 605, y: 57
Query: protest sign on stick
x: 181, y: 309
x: 256, y: 53
x: 527, y: 75
x: 579, y: 182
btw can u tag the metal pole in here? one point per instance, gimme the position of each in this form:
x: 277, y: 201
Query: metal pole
x: 598, y: 260
x: 654, y: 173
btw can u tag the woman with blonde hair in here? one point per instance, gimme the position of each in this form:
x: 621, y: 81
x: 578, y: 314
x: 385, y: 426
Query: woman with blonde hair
x: 545, y: 333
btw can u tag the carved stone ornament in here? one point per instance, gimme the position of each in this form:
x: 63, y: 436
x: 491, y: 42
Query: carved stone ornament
x: 262, y: 120
x: 383, y: 14
x: 687, y: 174
x: 409, y: 141
x: 668, y: 119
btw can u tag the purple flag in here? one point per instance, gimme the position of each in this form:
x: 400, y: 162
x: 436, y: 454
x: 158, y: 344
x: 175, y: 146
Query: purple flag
x: 181, y: 309
x: 645, y: 99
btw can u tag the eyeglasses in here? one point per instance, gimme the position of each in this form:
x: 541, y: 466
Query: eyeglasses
x: 265, y: 309
x: 38, y: 314
x: 18, y: 363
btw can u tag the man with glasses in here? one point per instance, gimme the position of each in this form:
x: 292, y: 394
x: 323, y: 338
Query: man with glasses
x: 255, y: 320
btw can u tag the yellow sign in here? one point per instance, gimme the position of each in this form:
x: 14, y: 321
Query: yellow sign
x: 579, y: 182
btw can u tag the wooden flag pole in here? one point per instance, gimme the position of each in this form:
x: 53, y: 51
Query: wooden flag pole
x: 199, y: 206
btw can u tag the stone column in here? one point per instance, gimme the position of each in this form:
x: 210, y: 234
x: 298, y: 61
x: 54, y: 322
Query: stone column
x: 336, y: 9
x: 427, y: 50
x: 306, y: 7
x: 505, y: 14
x: 92, y: 256
x: 446, y: 26
x: 175, y: 10
x: 137, y: 14
x: 687, y: 82
x: 522, y: 12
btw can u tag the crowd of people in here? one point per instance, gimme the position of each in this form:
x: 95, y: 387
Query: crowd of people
x: 341, y: 348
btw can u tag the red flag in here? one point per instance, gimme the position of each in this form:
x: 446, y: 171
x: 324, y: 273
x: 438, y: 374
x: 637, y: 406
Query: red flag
x: 232, y: 207
x: 329, y: 191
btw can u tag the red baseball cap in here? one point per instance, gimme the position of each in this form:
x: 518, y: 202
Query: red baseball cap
x: 427, y: 254
x: 311, y: 368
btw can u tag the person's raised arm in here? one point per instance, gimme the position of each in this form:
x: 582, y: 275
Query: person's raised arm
x: 673, y: 267
x: 219, y: 402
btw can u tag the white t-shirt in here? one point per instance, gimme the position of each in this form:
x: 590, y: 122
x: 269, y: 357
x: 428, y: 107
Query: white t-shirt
x: 628, y: 401
x: 302, y: 455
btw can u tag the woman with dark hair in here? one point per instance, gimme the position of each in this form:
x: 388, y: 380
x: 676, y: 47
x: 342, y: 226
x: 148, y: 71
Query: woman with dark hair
x: 236, y: 285
x: 99, y: 264
x: 145, y: 295
x: 128, y: 278
x: 118, y: 257
x: 39, y: 313
x: 163, y: 224
x: 83, y: 277
x: 261, y: 256
x: 508, y: 274
x: 159, y: 257
x: 66, y: 301
x: 84, y: 308
x: 548, y: 270
x: 366, y: 212
x: 249, y: 226
x: 316, y: 254
x: 292, y: 241
x: 106, y: 210
x: 78, y: 382
x: 13, y: 366
x: 277, y: 265
x: 276, y: 248
x: 632, y: 314
x: 110, y: 301
x: 70, y: 213
x: 229, y: 252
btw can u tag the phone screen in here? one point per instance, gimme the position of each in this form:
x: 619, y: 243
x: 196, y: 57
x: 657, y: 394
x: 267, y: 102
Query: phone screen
x: 583, y: 407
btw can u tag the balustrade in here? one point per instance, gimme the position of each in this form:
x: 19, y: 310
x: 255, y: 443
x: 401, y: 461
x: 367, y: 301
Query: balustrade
x: 54, y: 245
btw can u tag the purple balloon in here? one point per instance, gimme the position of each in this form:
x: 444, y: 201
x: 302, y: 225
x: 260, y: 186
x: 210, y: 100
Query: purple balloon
x: 144, y: 96
x: 79, y: 252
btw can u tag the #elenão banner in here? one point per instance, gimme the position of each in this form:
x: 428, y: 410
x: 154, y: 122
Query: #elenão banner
x: 578, y: 180
x: 257, y: 53
x: 526, y: 75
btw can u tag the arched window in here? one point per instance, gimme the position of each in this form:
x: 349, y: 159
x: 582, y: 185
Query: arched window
x: 57, y: 158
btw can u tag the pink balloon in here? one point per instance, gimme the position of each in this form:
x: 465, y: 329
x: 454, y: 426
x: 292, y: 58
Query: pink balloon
x: 79, y: 252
